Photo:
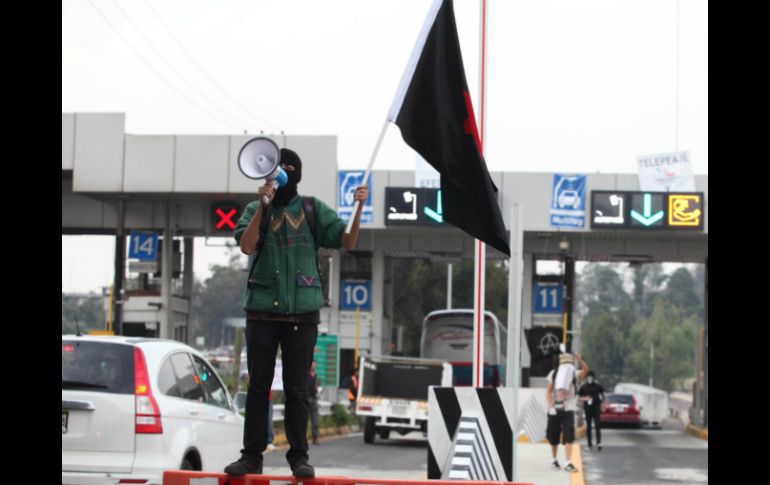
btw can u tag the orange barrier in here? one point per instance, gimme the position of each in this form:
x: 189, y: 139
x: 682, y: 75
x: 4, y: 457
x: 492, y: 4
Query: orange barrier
x: 178, y: 477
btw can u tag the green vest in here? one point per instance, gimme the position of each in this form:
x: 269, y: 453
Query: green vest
x: 285, y: 278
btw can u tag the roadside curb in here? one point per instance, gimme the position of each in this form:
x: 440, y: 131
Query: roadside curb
x: 280, y: 438
x: 702, y: 433
x: 577, y: 478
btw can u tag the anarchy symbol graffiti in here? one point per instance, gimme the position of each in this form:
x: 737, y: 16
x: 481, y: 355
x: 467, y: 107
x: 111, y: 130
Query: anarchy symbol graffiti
x: 548, y: 344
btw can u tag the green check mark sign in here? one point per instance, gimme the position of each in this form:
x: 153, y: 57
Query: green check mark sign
x: 436, y: 215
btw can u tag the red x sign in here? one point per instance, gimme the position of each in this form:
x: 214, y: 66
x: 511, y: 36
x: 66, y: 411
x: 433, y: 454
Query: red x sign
x: 225, y: 217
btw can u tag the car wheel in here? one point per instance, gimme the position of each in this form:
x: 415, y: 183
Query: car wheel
x: 187, y: 464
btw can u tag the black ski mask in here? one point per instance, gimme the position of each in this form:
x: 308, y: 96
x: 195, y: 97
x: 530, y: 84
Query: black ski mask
x: 284, y: 194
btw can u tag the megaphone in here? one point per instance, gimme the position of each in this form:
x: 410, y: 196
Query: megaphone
x: 260, y: 158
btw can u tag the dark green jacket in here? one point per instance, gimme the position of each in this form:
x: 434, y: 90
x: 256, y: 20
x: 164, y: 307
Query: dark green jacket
x: 285, y: 279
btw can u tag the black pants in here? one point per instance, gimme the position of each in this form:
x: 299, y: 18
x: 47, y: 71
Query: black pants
x: 297, y: 343
x: 313, y: 403
x: 593, y: 417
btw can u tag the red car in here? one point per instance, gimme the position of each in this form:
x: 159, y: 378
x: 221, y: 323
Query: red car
x: 620, y: 409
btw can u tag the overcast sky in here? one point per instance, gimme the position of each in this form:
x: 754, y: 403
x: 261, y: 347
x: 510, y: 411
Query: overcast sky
x: 573, y: 86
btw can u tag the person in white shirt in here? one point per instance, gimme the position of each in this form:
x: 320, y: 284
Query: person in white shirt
x: 561, y: 397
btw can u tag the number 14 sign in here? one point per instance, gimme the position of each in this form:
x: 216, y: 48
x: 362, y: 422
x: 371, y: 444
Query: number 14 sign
x: 144, y: 246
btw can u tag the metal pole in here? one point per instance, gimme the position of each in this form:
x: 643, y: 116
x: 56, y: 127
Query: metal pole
x: 479, y: 275
x: 449, y: 286
x: 358, y: 320
x: 120, y: 266
x: 110, y: 328
x: 652, y: 363
x: 515, y: 279
x: 167, y: 327
x: 479, y: 272
x: 569, y: 281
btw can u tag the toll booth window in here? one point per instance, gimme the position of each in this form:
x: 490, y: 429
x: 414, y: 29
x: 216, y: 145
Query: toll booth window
x: 215, y: 393
x: 167, y: 381
x: 97, y: 367
x: 189, y: 382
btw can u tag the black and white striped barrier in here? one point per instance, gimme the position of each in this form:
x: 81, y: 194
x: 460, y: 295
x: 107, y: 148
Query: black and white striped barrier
x: 470, y: 433
x: 534, y: 420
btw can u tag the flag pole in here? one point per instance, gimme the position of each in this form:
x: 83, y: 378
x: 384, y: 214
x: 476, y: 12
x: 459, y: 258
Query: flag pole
x: 479, y: 272
x: 368, y: 171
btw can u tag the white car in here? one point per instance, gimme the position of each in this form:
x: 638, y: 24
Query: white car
x: 134, y: 407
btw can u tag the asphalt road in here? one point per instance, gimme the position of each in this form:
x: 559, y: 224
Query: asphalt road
x: 645, y: 457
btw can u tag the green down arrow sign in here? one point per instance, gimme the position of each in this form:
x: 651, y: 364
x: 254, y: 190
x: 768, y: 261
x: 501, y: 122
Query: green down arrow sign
x: 648, y: 218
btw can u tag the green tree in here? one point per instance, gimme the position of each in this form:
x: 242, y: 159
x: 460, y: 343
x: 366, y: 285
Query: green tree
x: 420, y: 288
x: 673, y: 336
x: 87, y: 311
x: 601, y: 284
x: 648, y: 282
x: 495, y: 287
x: 603, y: 300
x: 681, y: 292
x: 604, y: 346
x: 217, y: 298
x: 619, y: 331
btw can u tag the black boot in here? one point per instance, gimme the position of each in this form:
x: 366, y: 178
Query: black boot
x: 302, y: 469
x: 251, y: 465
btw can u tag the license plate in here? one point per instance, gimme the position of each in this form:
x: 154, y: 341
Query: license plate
x: 400, y: 410
x: 65, y: 417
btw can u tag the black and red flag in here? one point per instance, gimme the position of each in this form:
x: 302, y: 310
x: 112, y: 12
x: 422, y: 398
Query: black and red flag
x: 434, y: 112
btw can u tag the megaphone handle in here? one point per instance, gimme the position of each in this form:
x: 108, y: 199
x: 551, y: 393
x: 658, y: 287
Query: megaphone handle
x: 265, y: 199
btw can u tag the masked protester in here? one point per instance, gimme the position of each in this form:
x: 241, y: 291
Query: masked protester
x: 592, y: 395
x: 282, y: 299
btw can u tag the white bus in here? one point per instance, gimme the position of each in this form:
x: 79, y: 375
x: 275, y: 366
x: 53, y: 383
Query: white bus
x: 448, y: 335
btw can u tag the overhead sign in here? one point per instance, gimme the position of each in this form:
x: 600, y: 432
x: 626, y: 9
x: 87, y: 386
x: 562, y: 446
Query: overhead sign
x: 413, y: 206
x: 647, y: 210
x: 356, y: 294
x: 685, y: 210
x: 547, y: 297
x: 225, y: 216
x: 568, y: 201
x: 608, y: 209
x: 143, y: 246
x: 349, y: 180
x: 666, y: 172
